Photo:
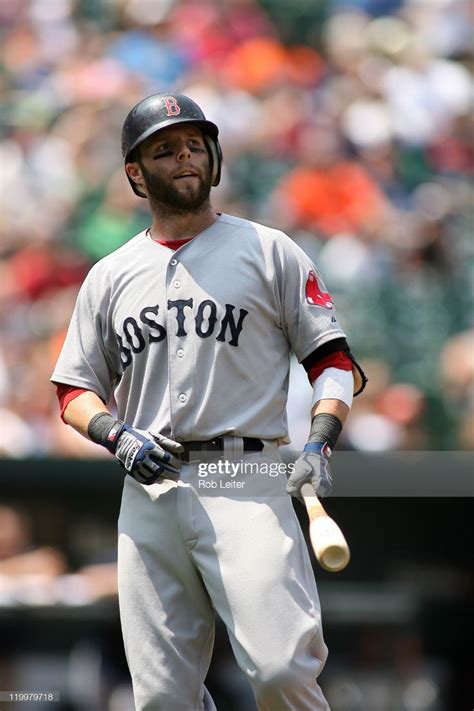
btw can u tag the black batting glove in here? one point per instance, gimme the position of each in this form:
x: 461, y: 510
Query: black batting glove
x: 146, y: 457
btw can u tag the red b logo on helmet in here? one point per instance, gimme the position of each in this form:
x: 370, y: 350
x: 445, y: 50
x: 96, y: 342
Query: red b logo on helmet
x: 314, y: 295
x: 172, y: 106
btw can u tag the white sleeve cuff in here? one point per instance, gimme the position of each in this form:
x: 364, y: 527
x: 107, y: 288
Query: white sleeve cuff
x: 334, y: 384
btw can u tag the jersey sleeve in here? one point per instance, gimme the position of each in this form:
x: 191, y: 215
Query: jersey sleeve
x: 85, y: 360
x: 308, y: 313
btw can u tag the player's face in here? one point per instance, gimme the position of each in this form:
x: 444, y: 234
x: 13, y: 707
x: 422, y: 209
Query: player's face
x: 175, y: 168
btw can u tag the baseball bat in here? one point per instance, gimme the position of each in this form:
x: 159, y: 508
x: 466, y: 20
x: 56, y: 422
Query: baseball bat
x: 328, y: 542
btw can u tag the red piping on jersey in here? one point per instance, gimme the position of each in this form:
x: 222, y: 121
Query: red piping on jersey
x: 333, y: 360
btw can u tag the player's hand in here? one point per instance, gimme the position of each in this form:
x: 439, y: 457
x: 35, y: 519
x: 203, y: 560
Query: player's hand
x: 312, y: 467
x: 148, y: 457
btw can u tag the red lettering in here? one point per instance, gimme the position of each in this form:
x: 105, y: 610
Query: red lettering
x: 172, y: 106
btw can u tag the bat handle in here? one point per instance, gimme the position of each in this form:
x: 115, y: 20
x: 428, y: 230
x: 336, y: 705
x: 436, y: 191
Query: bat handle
x: 328, y: 542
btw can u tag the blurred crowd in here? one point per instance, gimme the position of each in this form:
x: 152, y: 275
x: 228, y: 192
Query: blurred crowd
x: 346, y: 123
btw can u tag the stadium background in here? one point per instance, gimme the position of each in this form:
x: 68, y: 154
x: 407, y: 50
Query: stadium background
x: 348, y: 124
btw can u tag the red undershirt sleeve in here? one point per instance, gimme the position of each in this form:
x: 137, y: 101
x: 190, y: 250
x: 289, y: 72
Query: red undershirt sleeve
x: 339, y: 359
x: 66, y: 393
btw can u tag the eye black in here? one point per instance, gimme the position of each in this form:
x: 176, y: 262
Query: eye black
x: 162, y: 154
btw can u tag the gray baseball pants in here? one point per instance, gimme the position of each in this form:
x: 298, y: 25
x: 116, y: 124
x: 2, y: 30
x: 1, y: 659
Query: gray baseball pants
x: 185, y: 551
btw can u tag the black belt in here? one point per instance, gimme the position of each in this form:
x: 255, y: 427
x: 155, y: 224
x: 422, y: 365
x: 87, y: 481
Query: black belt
x: 251, y: 444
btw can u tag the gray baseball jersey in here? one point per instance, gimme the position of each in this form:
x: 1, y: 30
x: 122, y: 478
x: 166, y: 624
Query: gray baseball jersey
x: 195, y: 343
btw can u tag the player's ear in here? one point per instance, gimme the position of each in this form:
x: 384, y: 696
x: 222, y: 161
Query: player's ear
x: 134, y: 172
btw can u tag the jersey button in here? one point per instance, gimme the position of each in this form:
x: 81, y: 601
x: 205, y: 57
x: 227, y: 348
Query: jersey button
x: 180, y: 353
x: 182, y: 397
x: 174, y: 262
x: 177, y: 284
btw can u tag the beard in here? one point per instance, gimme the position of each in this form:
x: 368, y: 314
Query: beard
x: 169, y: 201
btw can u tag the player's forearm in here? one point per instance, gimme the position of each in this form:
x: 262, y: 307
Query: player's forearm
x: 333, y: 393
x: 328, y: 416
x: 331, y: 407
x: 80, y: 411
x: 332, y: 398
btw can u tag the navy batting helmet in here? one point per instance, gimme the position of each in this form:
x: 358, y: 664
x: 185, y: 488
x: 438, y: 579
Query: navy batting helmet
x: 160, y: 111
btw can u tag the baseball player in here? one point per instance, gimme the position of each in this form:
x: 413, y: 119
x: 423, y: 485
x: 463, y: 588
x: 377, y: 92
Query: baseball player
x: 188, y: 330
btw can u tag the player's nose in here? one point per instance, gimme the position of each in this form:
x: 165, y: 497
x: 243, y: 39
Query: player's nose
x: 184, y: 152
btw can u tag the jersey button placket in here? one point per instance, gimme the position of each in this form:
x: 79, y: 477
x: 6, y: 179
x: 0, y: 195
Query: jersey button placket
x: 180, y: 327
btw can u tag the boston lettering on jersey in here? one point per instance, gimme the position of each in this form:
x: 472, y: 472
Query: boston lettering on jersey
x: 138, y: 333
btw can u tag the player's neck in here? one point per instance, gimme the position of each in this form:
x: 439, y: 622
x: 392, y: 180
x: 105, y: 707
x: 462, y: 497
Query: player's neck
x: 169, y: 228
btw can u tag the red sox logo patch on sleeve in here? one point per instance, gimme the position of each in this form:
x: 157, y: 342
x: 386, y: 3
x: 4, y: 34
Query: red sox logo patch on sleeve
x: 314, y: 295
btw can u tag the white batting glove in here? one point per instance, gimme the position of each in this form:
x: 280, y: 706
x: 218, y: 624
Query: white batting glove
x: 312, y: 467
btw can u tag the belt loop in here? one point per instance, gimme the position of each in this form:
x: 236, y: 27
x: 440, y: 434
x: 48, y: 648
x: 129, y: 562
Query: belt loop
x: 233, y: 446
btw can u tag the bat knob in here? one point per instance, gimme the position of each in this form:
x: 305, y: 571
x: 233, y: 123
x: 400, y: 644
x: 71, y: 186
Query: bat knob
x: 329, y: 544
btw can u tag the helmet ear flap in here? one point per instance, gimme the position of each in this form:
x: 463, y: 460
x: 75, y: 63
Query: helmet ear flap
x: 215, y: 153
